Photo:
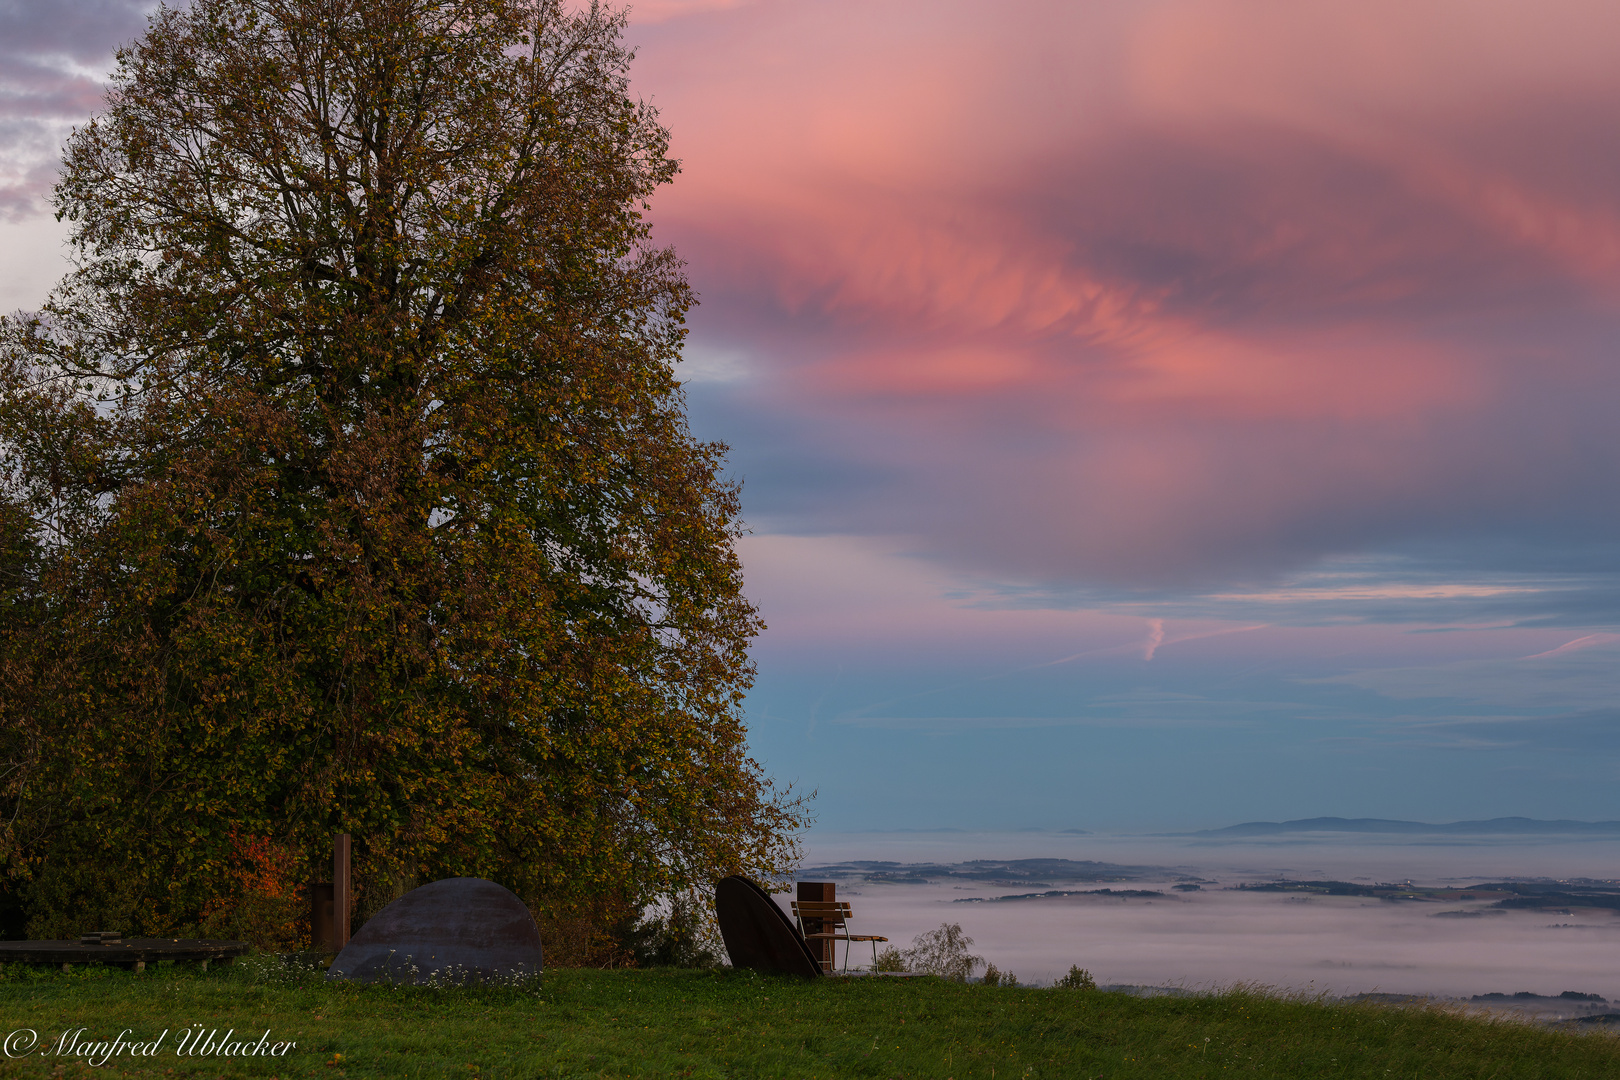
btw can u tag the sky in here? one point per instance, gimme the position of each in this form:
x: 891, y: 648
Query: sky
x: 1152, y: 415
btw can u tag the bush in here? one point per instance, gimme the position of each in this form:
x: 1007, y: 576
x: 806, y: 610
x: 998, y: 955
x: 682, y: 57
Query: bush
x: 1078, y: 978
x: 994, y: 976
x: 685, y: 936
x: 943, y: 952
x: 890, y: 959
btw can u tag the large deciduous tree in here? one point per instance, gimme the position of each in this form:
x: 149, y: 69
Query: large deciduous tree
x: 348, y: 485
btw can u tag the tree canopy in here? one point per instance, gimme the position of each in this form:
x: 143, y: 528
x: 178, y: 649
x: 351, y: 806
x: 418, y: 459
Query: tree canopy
x: 348, y: 485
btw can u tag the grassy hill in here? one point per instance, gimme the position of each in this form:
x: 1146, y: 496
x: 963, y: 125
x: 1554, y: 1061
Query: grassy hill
x: 663, y: 1023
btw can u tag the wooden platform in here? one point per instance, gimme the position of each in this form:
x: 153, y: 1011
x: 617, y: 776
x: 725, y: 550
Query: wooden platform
x: 130, y: 952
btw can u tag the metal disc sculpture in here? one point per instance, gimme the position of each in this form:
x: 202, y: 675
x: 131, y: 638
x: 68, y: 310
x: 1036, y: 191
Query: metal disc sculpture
x: 758, y: 934
x: 460, y: 930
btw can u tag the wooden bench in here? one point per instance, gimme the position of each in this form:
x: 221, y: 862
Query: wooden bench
x: 828, y: 920
x: 133, y: 953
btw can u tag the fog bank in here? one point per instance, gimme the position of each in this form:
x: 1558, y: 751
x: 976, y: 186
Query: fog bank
x: 1221, y: 935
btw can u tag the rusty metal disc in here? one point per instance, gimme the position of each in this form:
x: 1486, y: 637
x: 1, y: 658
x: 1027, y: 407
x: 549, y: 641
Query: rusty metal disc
x: 457, y: 930
x: 758, y: 934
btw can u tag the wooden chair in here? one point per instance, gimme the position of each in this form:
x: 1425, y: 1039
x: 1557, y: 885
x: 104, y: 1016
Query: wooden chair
x: 832, y: 916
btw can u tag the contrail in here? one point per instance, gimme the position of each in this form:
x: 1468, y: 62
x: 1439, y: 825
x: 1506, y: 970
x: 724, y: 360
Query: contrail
x: 1155, y: 638
x: 1579, y: 643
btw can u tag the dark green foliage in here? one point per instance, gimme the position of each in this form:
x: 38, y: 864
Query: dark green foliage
x: 994, y: 976
x: 943, y: 952
x: 681, y: 936
x: 1078, y: 978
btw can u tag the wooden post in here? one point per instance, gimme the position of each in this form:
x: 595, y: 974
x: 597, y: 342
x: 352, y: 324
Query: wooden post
x: 341, y: 899
x: 320, y: 916
x: 824, y: 947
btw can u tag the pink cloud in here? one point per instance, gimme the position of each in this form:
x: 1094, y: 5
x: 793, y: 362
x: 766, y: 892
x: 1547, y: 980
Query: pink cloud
x: 50, y: 57
x: 657, y: 11
x: 1170, y: 292
x: 1137, y: 293
x: 1589, y: 641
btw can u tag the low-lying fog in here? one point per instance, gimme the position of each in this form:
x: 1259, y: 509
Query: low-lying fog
x: 1219, y: 936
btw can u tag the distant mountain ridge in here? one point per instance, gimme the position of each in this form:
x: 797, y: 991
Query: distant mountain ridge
x: 1034, y: 873
x: 1494, y: 827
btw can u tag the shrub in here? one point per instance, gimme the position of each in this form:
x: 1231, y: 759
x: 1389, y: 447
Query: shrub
x: 890, y: 959
x: 1078, y: 978
x: 684, y: 936
x: 994, y: 976
x: 943, y: 952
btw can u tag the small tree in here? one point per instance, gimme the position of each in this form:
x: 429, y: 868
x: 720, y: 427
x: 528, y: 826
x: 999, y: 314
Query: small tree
x: 889, y: 959
x: 1078, y: 978
x: 347, y: 484
x: 994, y: 976
x: 943, y: 952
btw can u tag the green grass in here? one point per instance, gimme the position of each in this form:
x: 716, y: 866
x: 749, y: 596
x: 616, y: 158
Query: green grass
x: 735, y: 1024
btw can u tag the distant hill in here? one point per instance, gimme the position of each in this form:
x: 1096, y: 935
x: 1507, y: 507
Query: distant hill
x: 1035, y: 873
x: 1502, y: 826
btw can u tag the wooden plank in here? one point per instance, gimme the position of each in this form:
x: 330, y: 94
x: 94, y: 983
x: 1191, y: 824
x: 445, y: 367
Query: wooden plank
x: 819, y: 908
x: 131, y: 951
